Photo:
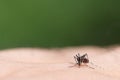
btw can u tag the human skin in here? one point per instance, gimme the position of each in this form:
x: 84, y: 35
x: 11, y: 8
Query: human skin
x: 59, y: 64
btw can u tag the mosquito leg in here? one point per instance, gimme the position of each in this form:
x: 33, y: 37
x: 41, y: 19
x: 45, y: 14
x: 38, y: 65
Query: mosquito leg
x: 87, y: 55
x: 90, y: 67
x: 77, y: 56
x: 75, y: 59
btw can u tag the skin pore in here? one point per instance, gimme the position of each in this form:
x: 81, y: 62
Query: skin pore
x: 59, y: 63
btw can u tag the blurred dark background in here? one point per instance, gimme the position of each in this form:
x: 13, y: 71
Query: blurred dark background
x: 59, y: 23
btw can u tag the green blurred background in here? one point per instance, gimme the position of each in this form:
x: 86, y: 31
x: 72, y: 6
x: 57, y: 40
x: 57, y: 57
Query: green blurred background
x: 59, y: 23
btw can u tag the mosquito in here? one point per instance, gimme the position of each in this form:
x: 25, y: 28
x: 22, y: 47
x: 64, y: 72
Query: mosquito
x: 81, y: 59
x: 84, y: 60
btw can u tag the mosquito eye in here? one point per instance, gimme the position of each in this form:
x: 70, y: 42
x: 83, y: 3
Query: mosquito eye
x: 85, y: 60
